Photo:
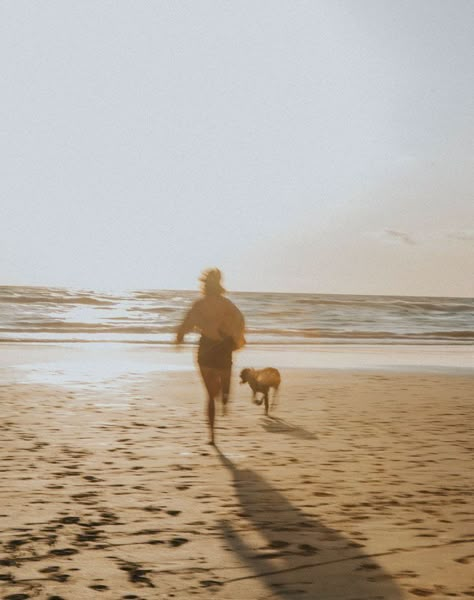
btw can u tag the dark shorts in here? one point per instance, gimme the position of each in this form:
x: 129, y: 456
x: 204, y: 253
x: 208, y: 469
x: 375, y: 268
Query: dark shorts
x: 216, y: 354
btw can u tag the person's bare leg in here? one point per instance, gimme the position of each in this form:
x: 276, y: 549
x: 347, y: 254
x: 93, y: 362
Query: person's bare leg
x: 211, y: 413
x: 212, y: 381
x: 225, y: 383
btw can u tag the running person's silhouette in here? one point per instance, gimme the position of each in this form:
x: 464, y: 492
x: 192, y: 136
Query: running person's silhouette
x: 221, y: 325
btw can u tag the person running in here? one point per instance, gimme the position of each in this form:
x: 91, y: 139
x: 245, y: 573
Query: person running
x: 222, y: 327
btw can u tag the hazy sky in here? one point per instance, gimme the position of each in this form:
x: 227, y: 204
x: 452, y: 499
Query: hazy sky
x: 321, y: 146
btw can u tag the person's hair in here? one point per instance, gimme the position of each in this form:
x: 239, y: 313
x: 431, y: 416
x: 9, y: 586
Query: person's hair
x: 211, y: 282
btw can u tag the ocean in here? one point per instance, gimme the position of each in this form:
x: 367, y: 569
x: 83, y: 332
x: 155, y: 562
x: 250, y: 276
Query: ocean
x: 45, y: 314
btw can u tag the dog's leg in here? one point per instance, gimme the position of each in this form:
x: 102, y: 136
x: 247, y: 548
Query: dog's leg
x: 254, y: 398
x: 265, y: 397
x: 275, y: 398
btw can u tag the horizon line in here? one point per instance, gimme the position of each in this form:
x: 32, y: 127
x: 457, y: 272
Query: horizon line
x: 196, y: 290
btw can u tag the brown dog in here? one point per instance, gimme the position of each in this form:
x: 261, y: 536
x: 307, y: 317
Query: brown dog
x: 261, y: 381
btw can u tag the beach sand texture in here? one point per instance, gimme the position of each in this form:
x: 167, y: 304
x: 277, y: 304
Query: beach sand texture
x: 359, y: 486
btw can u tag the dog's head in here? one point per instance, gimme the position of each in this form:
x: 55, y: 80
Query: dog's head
x: 244, y: 375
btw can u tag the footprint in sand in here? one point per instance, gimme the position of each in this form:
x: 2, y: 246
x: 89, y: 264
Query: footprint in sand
x: 99, y: 587
x: 421, y: 592
x: 367, y: 567
x: 136, y: 574
x: 52, y: 569
x: 278, y: 544
x: 69, y: 520
x: 178, y: 541
x: 152, y: 508
x: 464, y: 560
x: 209, y: 582
x: 61, y: 577
x: 64, y: 551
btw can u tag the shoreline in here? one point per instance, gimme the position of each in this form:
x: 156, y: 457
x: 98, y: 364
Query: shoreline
x: 86, y: 362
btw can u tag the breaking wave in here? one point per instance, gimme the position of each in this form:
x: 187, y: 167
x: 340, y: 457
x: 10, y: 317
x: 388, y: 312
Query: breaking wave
x: 151, y: 316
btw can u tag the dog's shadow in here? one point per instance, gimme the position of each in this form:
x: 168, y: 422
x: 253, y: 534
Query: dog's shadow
x: 292, y: 553
x: 276, y: 425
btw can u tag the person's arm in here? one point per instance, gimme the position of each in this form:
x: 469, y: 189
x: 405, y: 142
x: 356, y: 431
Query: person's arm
x: 240, y: 340
x: 186, y: 326
x: 236, y: 327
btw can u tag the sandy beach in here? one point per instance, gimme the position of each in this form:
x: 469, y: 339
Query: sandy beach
x: 248, y: 185
x: 358, y: 486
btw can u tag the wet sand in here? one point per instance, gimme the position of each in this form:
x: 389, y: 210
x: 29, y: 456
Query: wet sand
x: 358, y: 486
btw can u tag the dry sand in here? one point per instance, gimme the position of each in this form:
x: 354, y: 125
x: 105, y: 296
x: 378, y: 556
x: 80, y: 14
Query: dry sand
x: 358, y: 487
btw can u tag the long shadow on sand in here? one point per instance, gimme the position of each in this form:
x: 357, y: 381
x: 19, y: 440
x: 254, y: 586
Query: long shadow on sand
x: 273, y: 424
x: 295, y: 555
